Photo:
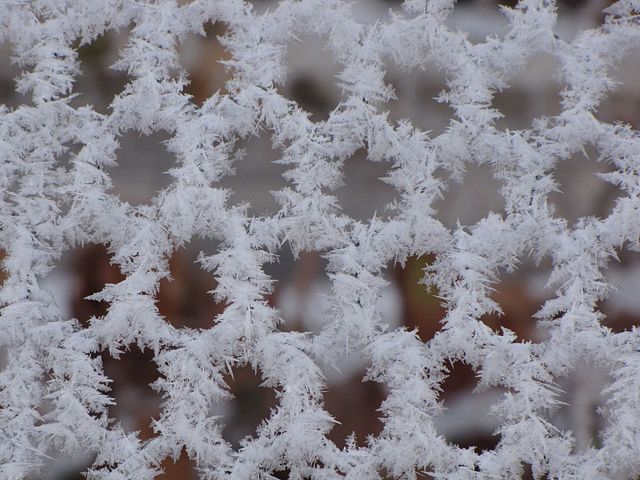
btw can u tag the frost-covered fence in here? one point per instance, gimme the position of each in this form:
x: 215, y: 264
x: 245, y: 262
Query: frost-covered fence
x: 56, y: 194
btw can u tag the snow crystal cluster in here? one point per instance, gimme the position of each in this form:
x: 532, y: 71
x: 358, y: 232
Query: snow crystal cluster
x: 56, y: 194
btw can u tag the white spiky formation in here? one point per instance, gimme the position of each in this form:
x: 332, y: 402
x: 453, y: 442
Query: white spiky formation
x: 47, y: 208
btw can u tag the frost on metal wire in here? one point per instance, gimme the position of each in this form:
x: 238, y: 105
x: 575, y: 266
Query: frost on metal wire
x: 53, y: 200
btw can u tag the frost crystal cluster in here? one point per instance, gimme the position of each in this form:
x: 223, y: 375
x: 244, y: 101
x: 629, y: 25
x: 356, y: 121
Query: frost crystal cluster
x: 54, y: 394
